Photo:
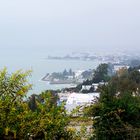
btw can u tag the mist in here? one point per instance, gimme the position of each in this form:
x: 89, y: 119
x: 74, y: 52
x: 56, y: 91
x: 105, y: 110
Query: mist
x: 75, y: 25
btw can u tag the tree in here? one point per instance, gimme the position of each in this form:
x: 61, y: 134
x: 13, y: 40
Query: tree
x: 70, y: 72
x: 13, y: 89
x: 65, y: 73
x: 32, y: 102
x: 126, y: 80
x: 49, y: 119
x: 21, y: 119
x: 87, y: 74
x: 101, y: 74
x: 117, y: 112
x: 135, y: 63
x: 87, y: 82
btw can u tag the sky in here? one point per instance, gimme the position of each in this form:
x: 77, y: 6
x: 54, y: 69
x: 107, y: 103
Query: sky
x: 69, y: 24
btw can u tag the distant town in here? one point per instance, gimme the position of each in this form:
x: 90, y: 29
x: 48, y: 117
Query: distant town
x: 114, y: 58
x: 115, y: 62
x: 88, y: 81
x: 68, y: 77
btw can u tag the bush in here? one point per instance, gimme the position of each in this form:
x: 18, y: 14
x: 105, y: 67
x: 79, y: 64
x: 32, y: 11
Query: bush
x: 21, y: 119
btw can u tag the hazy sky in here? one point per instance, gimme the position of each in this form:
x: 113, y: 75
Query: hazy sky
x: 70, y: 24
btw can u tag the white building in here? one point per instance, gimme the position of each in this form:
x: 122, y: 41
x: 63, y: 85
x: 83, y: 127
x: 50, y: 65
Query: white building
x: 79, y: 99
x: 86, y: 87
x: 95, y: 85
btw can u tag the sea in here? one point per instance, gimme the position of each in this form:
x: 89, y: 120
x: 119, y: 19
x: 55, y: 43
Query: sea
x: 36, y: 60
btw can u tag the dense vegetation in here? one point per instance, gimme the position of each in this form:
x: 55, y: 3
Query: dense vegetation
x: 116, y: 113
x: 39, y: 117
x: 101, y: 74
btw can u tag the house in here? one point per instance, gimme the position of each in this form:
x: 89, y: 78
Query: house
x: 79, y: 99
x: 86, y: 87
x: 95, y: 85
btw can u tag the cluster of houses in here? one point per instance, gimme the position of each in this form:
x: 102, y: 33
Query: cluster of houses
x: 74, y: 99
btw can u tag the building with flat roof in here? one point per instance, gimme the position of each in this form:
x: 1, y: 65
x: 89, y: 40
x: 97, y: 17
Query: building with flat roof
x: 80, y: 99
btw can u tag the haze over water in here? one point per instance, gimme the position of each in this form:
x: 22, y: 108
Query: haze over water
x: 36, y: 61
x: 30, y: 30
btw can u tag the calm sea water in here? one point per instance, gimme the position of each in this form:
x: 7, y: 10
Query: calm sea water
x: 36, y: 61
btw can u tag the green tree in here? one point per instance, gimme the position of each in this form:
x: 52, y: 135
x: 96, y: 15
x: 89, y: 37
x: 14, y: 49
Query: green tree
x: 117, y: 112
x: 13, y: 89
x: 101, y: 74
x: 21, y: 118
x: 126, y: 80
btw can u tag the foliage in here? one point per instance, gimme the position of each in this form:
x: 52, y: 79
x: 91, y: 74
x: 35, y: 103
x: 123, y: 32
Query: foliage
x: 101, y: 74
x: 79, y: 132
x: 20, y: 118
x: 50, y: 119
x: 117, y: 112
x: 135, y: 63
x: 87, y: 82
x: 62, y: 75
x: 126, y: 80
x: 13, y: 89
x: 87, y: 74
